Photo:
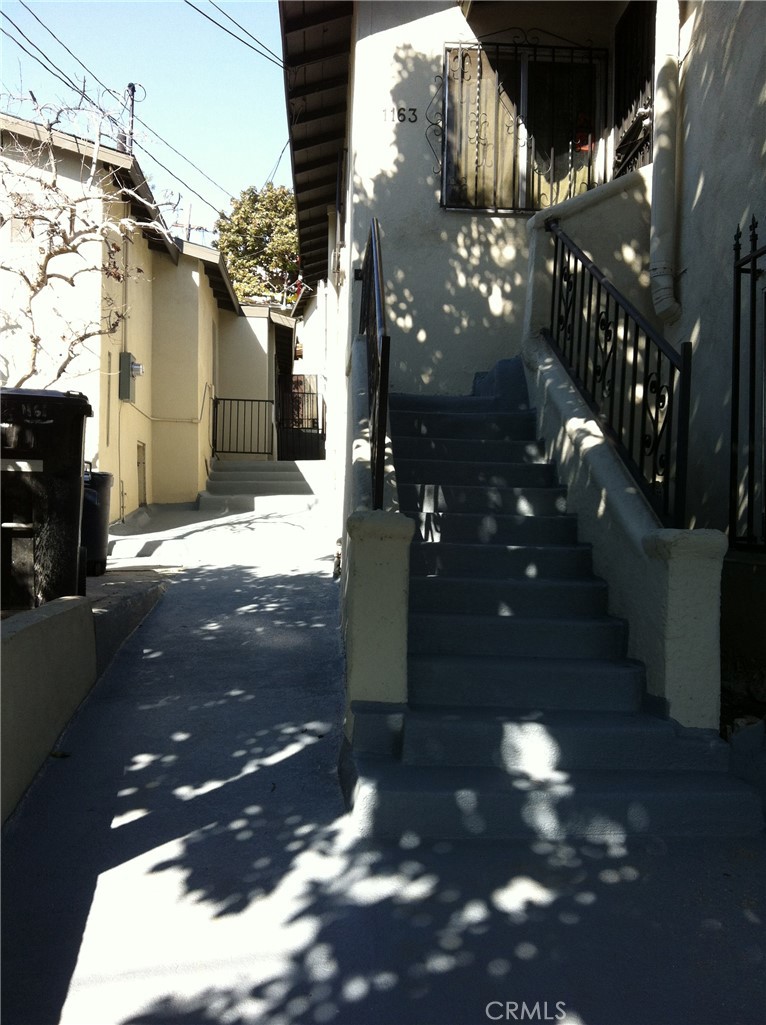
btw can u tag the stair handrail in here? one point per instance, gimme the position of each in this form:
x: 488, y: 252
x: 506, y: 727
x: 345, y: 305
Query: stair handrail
x: 372, y: 324
x: 635, y: 382
x: 747, y: 443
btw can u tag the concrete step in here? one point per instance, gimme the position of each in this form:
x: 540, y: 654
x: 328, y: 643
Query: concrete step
x: 543, y: 683
x: 393, y: 800
x: 471, y: 449
x: 242, y: 476
x: 497, y: 530
x: 275, y: 503
x: 520, y: 636
x: 530, y: 561
x: 266, y: 486
x: 515, y: 597
x: 485, y: 474
x: 506, y: 381
x: 255, y: 465
x: 451, y: 423
x: 544, y: 743
x: 442, y: 403
x: 528, y: 501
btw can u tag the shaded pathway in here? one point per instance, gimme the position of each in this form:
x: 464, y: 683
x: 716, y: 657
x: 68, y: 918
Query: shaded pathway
x: 189, y: 863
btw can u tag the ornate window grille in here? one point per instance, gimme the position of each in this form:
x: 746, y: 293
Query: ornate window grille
x: 524, y: 124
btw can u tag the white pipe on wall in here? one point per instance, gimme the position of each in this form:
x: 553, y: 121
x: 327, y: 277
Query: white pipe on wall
x: 663, y: 227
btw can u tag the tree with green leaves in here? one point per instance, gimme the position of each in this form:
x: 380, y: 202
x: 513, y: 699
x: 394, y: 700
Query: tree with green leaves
x: 260, y: 242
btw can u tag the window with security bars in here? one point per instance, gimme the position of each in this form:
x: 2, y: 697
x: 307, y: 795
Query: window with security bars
x: 523, y: 125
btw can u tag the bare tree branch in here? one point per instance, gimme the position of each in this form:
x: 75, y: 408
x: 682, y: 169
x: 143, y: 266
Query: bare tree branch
x: 58, y: 225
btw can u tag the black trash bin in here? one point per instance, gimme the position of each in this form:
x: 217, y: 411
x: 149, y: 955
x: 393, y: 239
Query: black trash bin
x: 41, y: 485
x: 95, y: 519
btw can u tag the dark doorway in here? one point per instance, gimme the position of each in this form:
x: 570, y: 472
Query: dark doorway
x: 301, y: 417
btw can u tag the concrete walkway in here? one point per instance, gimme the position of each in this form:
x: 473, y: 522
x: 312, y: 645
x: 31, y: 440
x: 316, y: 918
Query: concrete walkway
x: 186, y: 858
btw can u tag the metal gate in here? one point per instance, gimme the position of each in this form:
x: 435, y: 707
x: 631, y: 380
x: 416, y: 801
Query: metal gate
x: 301, y: 417
x: 242, y: 426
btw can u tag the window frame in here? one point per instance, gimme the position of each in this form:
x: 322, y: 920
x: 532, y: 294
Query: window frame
x: 524, y: 53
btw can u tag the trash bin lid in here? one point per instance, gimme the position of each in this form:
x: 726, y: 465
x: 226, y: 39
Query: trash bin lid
x: 29, y: 405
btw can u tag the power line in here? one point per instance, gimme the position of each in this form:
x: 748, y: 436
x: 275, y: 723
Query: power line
x: 57, y: 73
x: 239, y: 39
x: 250, y: 34
x: 270, y: 176
x: 68, y: 82
x: 112, y: 92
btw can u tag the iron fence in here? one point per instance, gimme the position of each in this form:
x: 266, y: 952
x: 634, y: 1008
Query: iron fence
x: 243, y: 426
x: 637, y: 385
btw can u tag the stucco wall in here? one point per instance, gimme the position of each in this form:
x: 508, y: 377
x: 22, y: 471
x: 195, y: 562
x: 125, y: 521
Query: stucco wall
x: 49, y: 665
x: 123, y: 425
x: 243, y: 355
x: 60, y: 311
x: 207, y: 329
x: 722, y: 185
x: 177, y: 381
x: 454, y: 281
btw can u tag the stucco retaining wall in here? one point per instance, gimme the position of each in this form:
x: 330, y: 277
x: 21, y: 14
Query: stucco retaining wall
x: 376, y: 562
x: 49, y: 665
x: 665, y: 583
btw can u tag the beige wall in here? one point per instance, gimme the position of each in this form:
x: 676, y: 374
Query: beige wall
x: 122, y: 425
x: 182, y: 377
x: 245, y: 355
x: 60, y: 310
x: 49, y: 665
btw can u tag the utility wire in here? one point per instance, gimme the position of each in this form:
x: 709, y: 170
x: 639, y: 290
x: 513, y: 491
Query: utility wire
x: 68, y: 82
x: 57, y: 73
x: 275, y: 168
x: 244, y: 42
x: 250, y: 34
x: 116, y: 95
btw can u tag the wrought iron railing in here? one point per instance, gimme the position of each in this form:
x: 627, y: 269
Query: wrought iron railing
x: 747, y: 492
x: 634, y: 381
x: 243, y: 426
x: 372, y: 324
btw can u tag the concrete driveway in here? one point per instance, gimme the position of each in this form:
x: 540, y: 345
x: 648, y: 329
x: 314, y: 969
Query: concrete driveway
x: 186, y: 859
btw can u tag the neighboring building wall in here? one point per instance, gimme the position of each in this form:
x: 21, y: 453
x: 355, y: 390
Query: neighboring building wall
x: 124, y: 425
x: 245, y: 355
x: 175, y: 383
x: 59, y: 310
x: 207, y: 330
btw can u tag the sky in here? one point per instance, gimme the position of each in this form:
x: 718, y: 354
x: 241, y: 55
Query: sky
x: 214, y: 100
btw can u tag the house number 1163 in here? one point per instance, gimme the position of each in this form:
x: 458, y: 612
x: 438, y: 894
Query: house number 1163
x: 400, y: 114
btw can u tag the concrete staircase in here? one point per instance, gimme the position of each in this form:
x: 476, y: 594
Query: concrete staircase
x: 235, y: 484
x: 525, y: 718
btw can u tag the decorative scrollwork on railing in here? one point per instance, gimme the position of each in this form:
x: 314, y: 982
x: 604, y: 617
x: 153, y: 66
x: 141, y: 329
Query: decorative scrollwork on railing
x: 656, y: 404
x: 435, y: 118
x: 604, y: 351
x: 566, y: 316
x: 634, y: 381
